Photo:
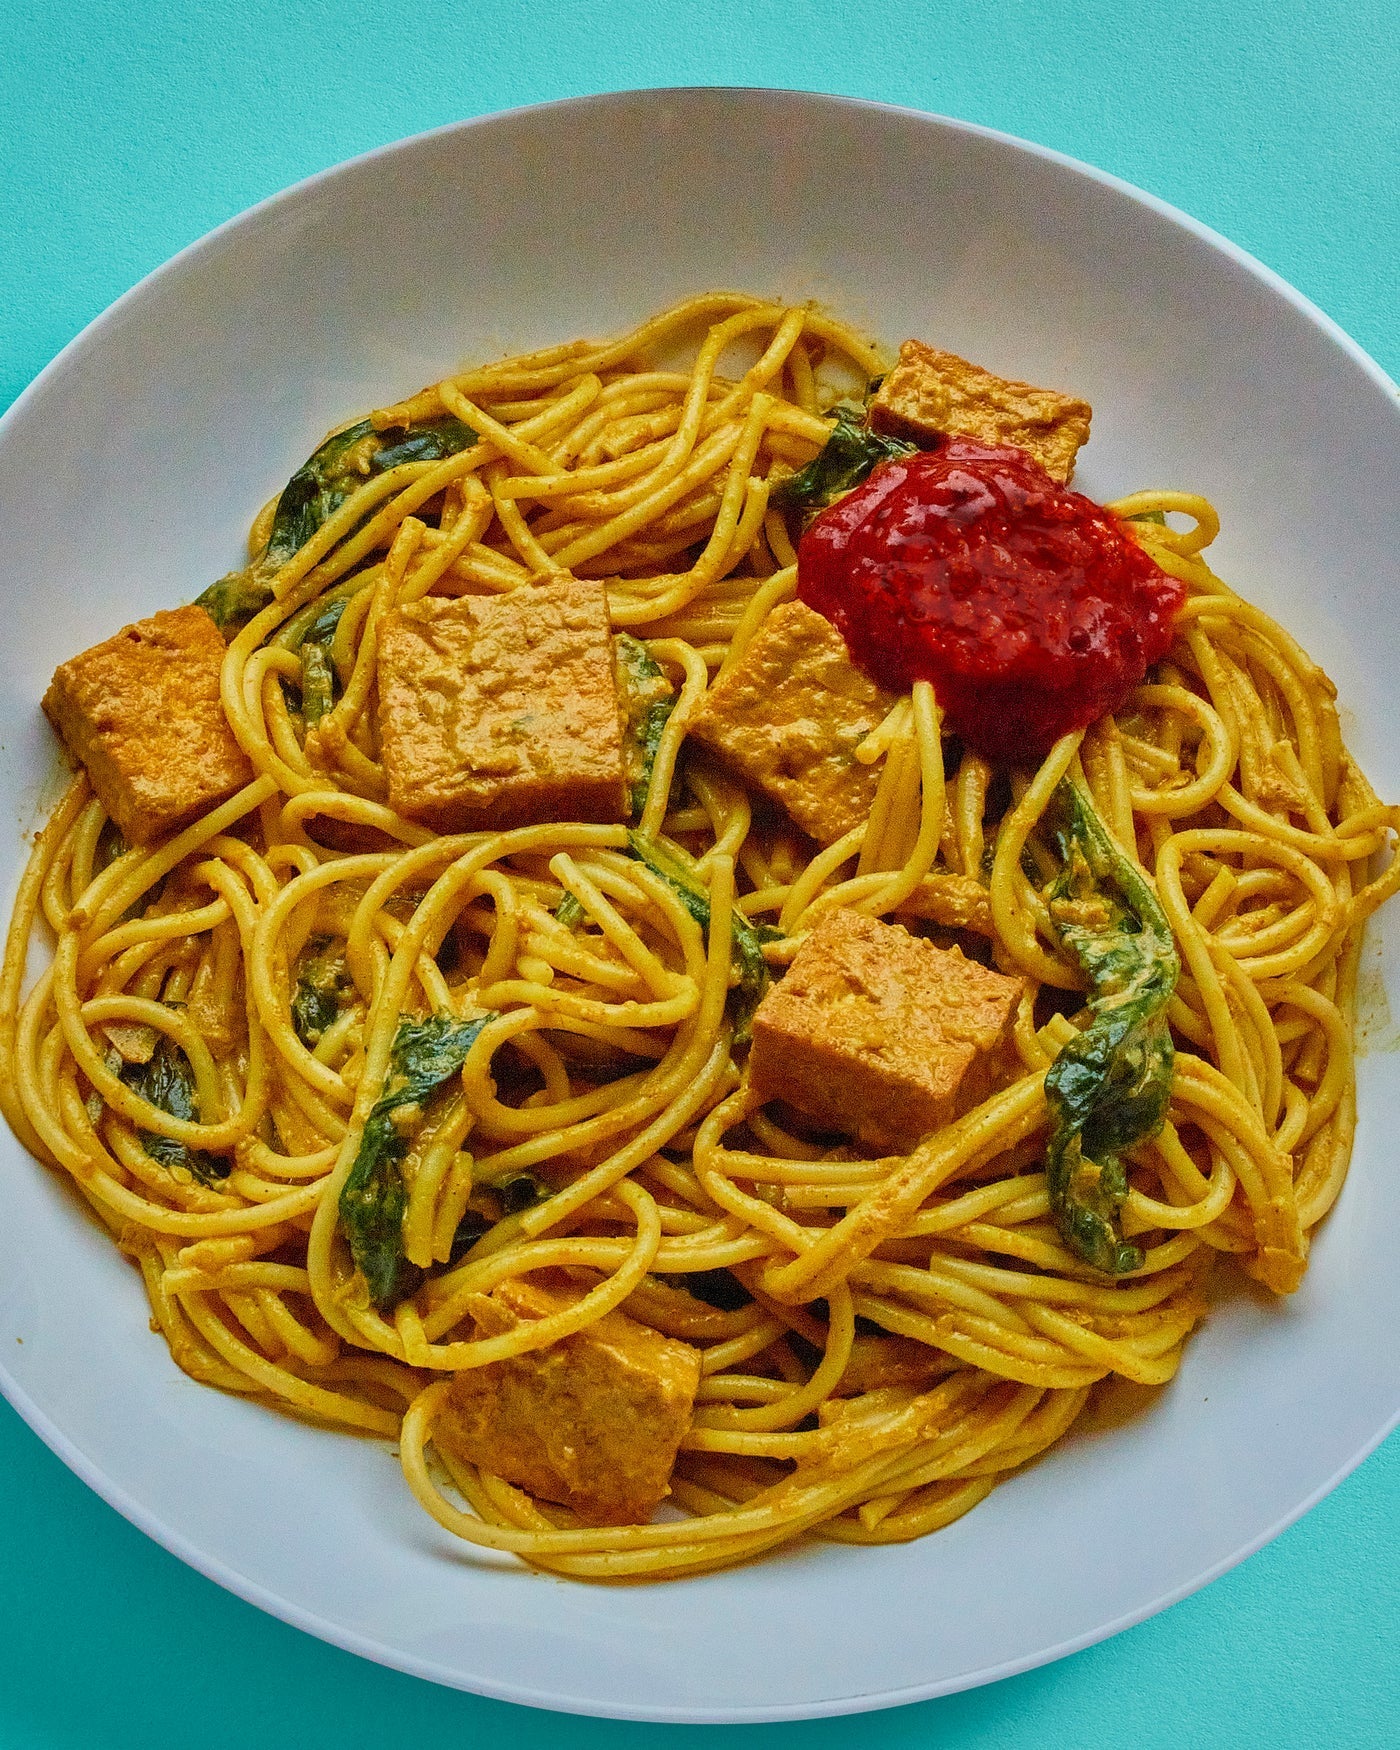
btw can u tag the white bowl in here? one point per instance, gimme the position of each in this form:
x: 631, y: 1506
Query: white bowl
x: 128, y: 474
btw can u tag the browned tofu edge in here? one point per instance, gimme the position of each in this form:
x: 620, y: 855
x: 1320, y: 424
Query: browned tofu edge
x: 796, y: 1057
x: 425, y: 783
x: 932, y: 393
x: 593, y: 1421
x: 138, y: 754
x: 825, y: 804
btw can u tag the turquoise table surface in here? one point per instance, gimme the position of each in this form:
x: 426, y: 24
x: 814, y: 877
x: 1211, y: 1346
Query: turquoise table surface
x: 128, y: 129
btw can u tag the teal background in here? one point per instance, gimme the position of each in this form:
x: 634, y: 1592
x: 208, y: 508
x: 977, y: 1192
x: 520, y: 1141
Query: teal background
x: 126, y: 131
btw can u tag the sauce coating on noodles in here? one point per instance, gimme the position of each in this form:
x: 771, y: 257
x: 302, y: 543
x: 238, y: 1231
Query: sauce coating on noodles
x: 803, y: 1142
x: 1028, y: 607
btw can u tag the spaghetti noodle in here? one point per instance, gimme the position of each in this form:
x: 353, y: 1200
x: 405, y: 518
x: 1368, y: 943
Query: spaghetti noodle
x: 893, y: 1335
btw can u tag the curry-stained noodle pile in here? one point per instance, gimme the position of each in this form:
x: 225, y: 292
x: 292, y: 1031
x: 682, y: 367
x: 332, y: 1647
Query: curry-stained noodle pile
x: 519, y: 990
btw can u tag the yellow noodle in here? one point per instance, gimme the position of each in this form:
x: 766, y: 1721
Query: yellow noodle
x: 608, y: 1066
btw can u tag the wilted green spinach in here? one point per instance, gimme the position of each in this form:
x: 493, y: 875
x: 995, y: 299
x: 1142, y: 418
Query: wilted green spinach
x: 315, y: 492
x: 317, y: 673
x: 428, y: 1051
x: 1109, y: 1088
x: 167, y: 1082
x: 670, y: 863
x: 323, y: 988
x: 851, y: 452
x: 647, y: 702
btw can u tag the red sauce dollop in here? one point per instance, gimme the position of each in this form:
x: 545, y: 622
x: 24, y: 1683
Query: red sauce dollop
x: 1027, y: 606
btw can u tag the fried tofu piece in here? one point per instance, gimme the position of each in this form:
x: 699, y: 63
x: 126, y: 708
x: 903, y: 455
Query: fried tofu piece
x: 501, y: 711
x: 142, y: 712
x: 594, y: 1421
x: 878, y: 1033
x: 789, y: 716
x: 880, y: 1362
x: 931, y: 393
x: 957, y: 902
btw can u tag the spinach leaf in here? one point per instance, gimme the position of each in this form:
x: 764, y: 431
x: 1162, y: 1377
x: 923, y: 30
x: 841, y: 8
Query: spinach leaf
x: 469, y: 1230
x: 233, y: 599
x: 428, y: 1050
x: 671, y: 864
x: 569, y: 912
x: 431, y: 441
x: 491, y: 1200
x: 318, y: 677
x: 1108, y: 1088
x: 343, y: 464
x: 317, y: 683
x: 315, y: 492
x: 847, y: 456
x: 647, y: 702
x: 322, y: 628
x: 516, y: 1190
x: 520, y: 1191
x: 111, y: 844
x: 166, y: 1081
x: 323, y: 988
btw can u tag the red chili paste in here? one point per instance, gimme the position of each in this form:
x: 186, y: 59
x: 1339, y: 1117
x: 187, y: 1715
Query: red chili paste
x: 1028, y: 606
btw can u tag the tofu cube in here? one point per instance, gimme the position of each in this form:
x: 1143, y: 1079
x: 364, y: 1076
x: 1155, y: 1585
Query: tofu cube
x: 930, y: 393
x: 142, y: 713
x: 789, y: 716
x: 594, y: 1421
x: 877, y: 1033
x: 501, y: 711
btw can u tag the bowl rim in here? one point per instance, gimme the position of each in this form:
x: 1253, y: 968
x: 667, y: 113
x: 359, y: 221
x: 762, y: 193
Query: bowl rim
x: 149, y: 1520
x: 1258, y: 269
